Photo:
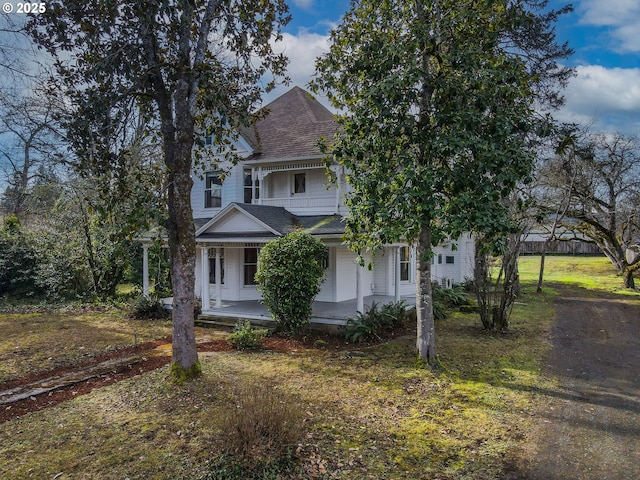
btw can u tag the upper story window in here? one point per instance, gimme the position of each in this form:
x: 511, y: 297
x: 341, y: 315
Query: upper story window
x: 250, y: 193
x: 299, y: 183
x: 450, y: 259
x: 213, y: 190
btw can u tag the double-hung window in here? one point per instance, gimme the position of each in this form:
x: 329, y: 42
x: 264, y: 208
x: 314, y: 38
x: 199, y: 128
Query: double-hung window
x: 250, y: 265
x: 213, y: 190
x: 250, y: 185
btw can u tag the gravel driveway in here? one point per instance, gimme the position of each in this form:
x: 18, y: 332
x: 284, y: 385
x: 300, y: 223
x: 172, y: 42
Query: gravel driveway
x: 590, y: 426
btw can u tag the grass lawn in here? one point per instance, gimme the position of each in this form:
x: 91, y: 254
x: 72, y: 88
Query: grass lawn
x: 593, y: 273
x: 369, y: 412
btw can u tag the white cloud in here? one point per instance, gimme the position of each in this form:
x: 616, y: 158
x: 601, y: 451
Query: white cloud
x: 610, y: 96
x: 302, y: 50
x: 305, y: 4
x: 621, y: 16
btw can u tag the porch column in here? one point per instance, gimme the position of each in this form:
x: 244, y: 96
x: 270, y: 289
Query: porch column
x: 359, y: 289
x: 218, y: 279
x: 206, y: 302
x: 260, y: 186
x: 397, y: 274
x: 145, y: 270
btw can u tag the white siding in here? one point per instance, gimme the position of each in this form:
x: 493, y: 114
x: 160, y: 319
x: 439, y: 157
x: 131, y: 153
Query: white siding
x: 232, y: 191
x: 327, y: 289
x: 346, y: 276
x: 383, y: 272
x: 235, y: 221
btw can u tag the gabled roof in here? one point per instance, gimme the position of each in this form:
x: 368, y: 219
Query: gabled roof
x: 266, y: 221
x: 290, y: 127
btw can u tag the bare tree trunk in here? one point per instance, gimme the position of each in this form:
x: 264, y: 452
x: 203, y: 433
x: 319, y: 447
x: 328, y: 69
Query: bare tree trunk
x: 181, y: 239
x: 482, y: 285
x: 425, y: 340
x: 543, y: 254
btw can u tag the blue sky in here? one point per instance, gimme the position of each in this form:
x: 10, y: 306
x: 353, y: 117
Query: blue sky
x: 605, y: 35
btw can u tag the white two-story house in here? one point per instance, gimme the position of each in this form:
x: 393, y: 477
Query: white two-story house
x: 281, y: 184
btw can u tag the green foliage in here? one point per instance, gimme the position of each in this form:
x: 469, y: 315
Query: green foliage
x: 433, y: 103
x: 376, y: 323
x: 18, y: 259
x: 244, y: 337
x: 439, y: 107
x: 451, y: 297
x: 149, y: 308
x: 261, y: 430
x: 83, y: 243
x: 290, y: 270
x: 183, y: 68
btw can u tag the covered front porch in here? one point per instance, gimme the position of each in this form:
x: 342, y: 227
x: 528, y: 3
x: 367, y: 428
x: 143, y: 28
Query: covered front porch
x: 325, y: 316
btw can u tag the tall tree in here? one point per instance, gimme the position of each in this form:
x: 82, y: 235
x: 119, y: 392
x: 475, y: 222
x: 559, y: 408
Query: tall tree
x: 439, y: 99
x: 196, y: 65
x: 32, y: 142
x: 602, y: 177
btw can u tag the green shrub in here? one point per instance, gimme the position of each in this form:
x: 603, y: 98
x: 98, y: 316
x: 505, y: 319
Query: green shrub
x: 445, y: 299
x: 376, y: 322
x: 451, y: 297
x: 290, y: 270
x: 261, y: 433
x: 244, y: 337
x: 440, y: 310
x: 149, y: 308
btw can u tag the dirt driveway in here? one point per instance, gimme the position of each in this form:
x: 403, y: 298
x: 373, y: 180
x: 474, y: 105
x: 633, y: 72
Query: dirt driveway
x: 590, y: 426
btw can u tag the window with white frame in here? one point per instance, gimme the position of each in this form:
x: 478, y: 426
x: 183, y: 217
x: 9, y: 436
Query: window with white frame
x: 449, y: 259
x: 299, y: 183
x: 251, y: 255
x: 213, y: 190
x: 212, y: 266
x: 251, y: 185
x: 405, y: 261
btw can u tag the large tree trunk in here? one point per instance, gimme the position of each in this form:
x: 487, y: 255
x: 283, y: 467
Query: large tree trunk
x: 182, y: 248
x: 425, y: 340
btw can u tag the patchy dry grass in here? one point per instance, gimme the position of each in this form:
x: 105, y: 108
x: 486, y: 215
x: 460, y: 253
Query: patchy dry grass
x: 35, y: 342
x: 370, y: 413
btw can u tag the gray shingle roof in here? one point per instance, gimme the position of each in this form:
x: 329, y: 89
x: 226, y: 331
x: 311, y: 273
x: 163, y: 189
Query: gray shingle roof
x: 282, y: 221
x: 291, y: 127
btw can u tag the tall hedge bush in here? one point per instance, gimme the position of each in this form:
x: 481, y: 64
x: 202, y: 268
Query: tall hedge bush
x: 290, y: 272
